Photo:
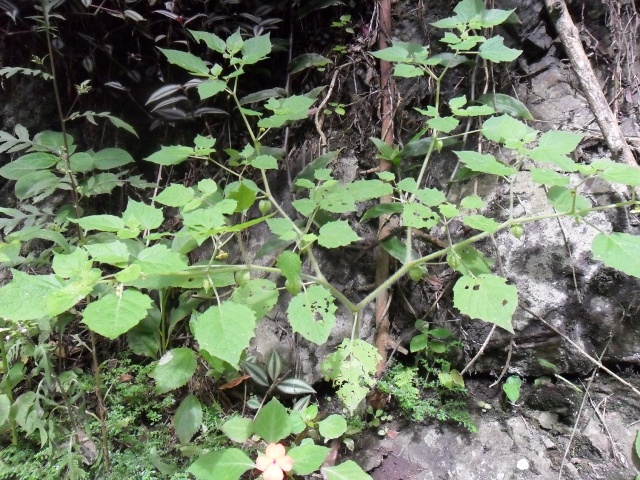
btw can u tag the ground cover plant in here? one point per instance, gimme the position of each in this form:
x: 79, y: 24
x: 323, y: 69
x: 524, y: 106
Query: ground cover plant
x: 129, y: 277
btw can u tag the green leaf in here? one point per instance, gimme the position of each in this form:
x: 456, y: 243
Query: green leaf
x: 172, y: 155
x: 398, y: 250
x: 210, y: 88
x: 484, y: 163
x: 336, y: 234
x: 259, y: 294
x: 443, y: 124
x: 392, y: 54
x: 352, y: 368
x: 382, y: 209
x: 418, y: 216
x: 363, y: 190
x: 30, y: 162
x: 175, y: 195
x: 512, y: 388
x: 332, y: 427
x: 294, y: 386
x: 243, y: 192
x: 188, y: 418
x: 227, y: 464
x: 308, y: 172
x: 114, y: 314
x: 159, y: 259
x: 212, y: 41
x: 307, y: 458
x: 495, y: 50
x: 508, y: 131
x: 472, y: 202
x: 174, y: 369
x: 307, y: 60
x: 22, y: 298
x: 407, y: 71
x: 103, y: 223
x: 186, y: 60
x: 287, y: 109
x: 430, y: 196
x: 80, y: 163
x: 5, y: 407
x: 109, y: 158
x: 637, y: 445
x: 563, y: 199
x: 72, y: 264
x: 312, y: 314
x: 548, y: 177
x: 348, y: 470
x: 40, y: 182
x: 224, y: 330
x: 142, y: 216
x: 264, y: 162
x: 619, y: 251
x: 617, y: 172
x: 506, y: 104
x: 486, y: 297
x: 255, y: 49
x: 469, y: 261
x: 482, y: 223
x: 272, y: 422
x: 112, y: 253
x: 289, y: 264
x: 554, y: 146
x: 99, y: 184
x: 238, y: 429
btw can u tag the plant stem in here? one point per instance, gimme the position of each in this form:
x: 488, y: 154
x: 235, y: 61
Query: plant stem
x: 9, y: 389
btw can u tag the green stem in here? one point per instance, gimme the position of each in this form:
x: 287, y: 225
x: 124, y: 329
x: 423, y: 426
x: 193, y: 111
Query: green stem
x: 9, y: 389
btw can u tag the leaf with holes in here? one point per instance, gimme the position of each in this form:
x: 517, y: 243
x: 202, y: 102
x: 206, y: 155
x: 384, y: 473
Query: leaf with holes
x: 486, y: 297
x: 312, y: 314
x: 618, y: 250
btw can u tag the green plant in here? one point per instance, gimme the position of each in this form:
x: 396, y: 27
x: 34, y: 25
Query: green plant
x: 125, y: 274
x: 511, y: 388
x: 431, y: 389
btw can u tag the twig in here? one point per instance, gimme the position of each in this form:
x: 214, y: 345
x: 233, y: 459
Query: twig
x: 480, y: 352
x: 584, y: 398
x: 580, y: 350
x: 591, y: 88
x: 319, y: 110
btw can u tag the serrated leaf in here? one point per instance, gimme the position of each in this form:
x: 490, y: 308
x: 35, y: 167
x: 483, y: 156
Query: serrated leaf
x: 33, y: 184
x: 336, y: 234
x: 210, y: 88
x: 174, y: 369
x: 212, y: 41
x: 363, y: 190
x: 495, y: 50
x: 103, y: 223
x: 508, y: 131
x: 112, y: 253
x: 22, y: 298
x: 484, y: 163
x: 259, y: 294
x: 443, y: 124
x: 224, y: 330
x: 294, y: 386
x: 272, y: 422
x: 175, y: 195
x: 567, y: 200
x: 469, y: 261
x: 227, y: 464
x: 186, y: 60
x: 382, y: 209
x: 114, y: 314
x: 430, y: 196
x: 472, y: 202
x: 506, y: 104
x: 482, y: 223
x: 290, y: 265
x: 159, y: 259
x: 348, y: 470
x: 141, y: 215
x: 486, y: 297
x: 407, y: 71
x: 188, y: 418
x: 352, y: 369
x: 172, y: 155
x: 238, y: 429
x: 617, y: 172
x: 545, y: 176
x: 619, y: 251
x: 419, y: 216
x: 307, y: 458
x: 311, y: 313
x: 554, y: 146
x: 392, y: 54
x: 332, y: 427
